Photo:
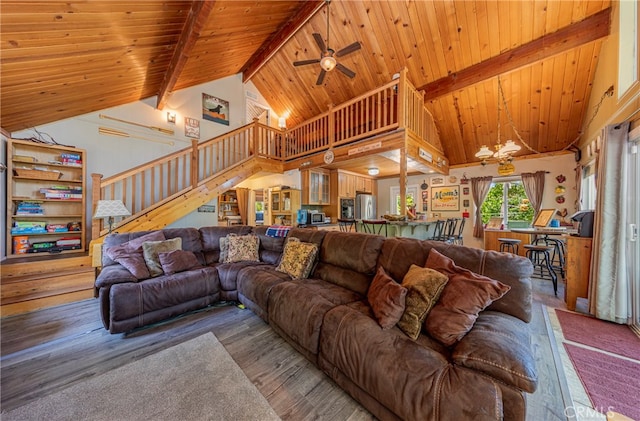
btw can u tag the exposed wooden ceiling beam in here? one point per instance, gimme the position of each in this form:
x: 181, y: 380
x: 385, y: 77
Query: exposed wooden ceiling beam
x: 274, y: 43
x: 196, y: 20
x: 587, y: 30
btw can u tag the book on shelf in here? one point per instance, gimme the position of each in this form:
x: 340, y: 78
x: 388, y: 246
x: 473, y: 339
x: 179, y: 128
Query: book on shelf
x: 29, y: 227
x: 69, y: 155
x: 61, y: 193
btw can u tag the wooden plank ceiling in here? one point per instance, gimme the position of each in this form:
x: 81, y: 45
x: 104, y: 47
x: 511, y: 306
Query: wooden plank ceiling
x: 65, y: 58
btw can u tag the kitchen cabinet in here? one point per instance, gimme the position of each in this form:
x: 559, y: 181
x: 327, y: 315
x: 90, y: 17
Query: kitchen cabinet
x: 285, y: 204
x: 346, y: 185
x: 46, y: 201
x: 578, y: 264
x: 316, y: 187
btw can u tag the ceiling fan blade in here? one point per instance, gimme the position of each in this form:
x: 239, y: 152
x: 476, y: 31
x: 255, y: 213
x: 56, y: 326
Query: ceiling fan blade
x: 345, y: 70
x: 303, y: 62
x: 349, y: 49
x: 321, y: 77
x: 320, y: 41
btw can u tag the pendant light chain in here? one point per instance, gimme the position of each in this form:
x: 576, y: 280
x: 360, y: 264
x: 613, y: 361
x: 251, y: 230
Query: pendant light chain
x: 607, y: 93
x: 328, y: 9
x: 513, y: 126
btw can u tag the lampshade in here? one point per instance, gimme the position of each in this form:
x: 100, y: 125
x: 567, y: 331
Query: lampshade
x: 484, y: 152
x: 373, y: 171
x: 110, y: 209
x: 282, y: 123
x: 328, y: 63
x: 508, y: 149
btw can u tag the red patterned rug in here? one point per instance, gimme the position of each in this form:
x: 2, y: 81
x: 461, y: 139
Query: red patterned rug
x: 613, y: 384
x: 610, y: 337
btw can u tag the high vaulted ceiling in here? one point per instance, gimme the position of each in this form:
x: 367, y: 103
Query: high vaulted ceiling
x: 65, y: 58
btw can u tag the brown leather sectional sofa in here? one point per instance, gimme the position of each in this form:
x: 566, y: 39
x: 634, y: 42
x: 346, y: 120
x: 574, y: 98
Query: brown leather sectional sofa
x: 327, y: 318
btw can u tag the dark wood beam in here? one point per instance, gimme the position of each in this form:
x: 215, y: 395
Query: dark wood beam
x: 196, y: 20
x: 275, y: 42
x: 587, y: 30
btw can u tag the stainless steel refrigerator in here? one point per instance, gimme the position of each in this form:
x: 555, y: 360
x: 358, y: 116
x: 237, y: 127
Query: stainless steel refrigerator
x: 365, y: 206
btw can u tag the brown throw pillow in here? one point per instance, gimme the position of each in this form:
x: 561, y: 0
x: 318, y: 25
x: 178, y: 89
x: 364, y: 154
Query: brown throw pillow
x: 423, y: 289
x: 464, y: 297
x: 151, y: 249
x: 178, y: 261
x: 129, y: 254
x: 298, y: 258
x: 387, y: 299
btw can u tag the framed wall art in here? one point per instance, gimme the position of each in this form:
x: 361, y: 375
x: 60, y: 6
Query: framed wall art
x: 215, y: 109
x: 437, y: 181
x: 445, y: 198
x: 192, y: 127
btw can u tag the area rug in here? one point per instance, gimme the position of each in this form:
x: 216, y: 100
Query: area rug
x: 195, y: 380
x: 610, y: 337
x: 612, y: 383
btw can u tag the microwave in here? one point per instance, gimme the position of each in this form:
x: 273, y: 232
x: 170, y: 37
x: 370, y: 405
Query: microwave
x: 310, y: 218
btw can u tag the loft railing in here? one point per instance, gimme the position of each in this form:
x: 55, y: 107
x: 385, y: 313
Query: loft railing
x: 150, y: 185
x: 395, y: 105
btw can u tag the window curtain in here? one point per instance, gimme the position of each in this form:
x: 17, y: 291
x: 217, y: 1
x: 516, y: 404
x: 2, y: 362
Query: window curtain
x: 479, y: 189
x: 534, y: 188
x: 243, y: 203
x: 609, y: 288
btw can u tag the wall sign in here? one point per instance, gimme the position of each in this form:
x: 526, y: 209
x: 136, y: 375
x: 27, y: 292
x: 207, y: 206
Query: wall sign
x: 215, y: 109
x: 445, y: 198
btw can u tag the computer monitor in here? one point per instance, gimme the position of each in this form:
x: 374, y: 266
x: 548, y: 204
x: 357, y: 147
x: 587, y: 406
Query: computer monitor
x: 544, y: 218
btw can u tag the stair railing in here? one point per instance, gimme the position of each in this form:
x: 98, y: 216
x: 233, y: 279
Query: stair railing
x: 150, y: 185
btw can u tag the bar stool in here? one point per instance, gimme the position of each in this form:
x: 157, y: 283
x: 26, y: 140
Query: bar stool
x: 540, y: 257
x: 374, y: 226
x: 509, y: 245
x: 347, y: 225
x: 557, y: 255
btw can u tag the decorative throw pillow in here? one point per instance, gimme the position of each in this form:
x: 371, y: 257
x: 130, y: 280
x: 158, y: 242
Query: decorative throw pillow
x: 423, y: 289
x: 466, y: 294
x: 129, y: 254
x: 178, y: 261
x: 224, y: 247
x: 151, y: 249
x: 243, y: 248
x: 298, y: 258
x: 387, y: 299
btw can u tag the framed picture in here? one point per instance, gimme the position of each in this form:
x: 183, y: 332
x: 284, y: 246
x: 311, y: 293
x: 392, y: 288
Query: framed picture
x: 445, y: 198
x: 192, y: 127
x: 437, y: 181
x: 207, y: 208
x: 495, y: 223
x: 465, y: 190
x: 215, y: 109
x: 544, y: 217
x: 425, y: 195
x: 465, y: 203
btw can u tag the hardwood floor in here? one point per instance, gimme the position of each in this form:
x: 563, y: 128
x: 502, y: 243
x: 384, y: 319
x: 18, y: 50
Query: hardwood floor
x: 48, y: 350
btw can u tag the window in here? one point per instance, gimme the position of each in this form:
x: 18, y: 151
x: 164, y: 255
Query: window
x: 508, y: 200
x: 588, y: 187
x: 412, y: 198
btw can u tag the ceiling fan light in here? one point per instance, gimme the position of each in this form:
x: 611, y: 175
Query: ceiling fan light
x: 328, y: 63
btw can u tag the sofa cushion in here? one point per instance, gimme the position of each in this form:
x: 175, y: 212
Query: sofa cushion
x: 243, y: 248
x: 424, y: 287
x: 228, y: 273
x: 254, y: 283
x: 210, y: 237
x: 270, y: 247
x: 297, y: 308
x: 463, y: 298
x: 133, y: 245
x: 151, y: 249
x: 387, y: 299
x: 349, y: 260
x: 414, y: 380
x: 298, y: 258
x: 178, y: 261
x: 499, y: 346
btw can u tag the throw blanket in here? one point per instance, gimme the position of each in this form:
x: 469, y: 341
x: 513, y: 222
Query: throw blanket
x: 278, y: 230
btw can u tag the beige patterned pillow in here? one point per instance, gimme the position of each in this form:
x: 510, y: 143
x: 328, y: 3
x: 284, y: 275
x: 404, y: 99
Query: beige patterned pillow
x: 243, y: 248
x: 424, y: 288
x: 151, y: 250
x: 224, y: 247
x: 298, y: 258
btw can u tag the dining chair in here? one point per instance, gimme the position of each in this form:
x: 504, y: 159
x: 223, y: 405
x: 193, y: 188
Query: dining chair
x: 347, y: 225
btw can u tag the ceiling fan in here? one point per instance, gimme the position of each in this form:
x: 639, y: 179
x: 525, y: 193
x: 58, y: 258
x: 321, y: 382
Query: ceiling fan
x: 328, y: 56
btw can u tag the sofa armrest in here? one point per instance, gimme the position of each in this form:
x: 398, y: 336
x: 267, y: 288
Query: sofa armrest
x: 114, y: 274
x: 499, y: 346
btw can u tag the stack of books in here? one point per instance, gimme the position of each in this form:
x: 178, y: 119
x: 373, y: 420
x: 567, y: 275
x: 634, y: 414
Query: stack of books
x: 71, y: 159
x: 28, y: 208
x: 29, y: 227
x: 62, y: 192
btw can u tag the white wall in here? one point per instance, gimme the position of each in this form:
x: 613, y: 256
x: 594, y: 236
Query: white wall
x: 562, y: 164
x: 109, y: 155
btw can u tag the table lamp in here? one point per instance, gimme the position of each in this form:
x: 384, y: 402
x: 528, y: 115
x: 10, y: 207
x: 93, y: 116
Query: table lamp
x: 110, y: 209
